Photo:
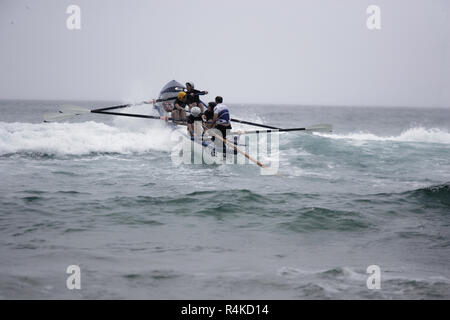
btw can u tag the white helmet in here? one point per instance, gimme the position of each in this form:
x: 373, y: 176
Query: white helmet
x: 195, y: 111
x: 190, y: 83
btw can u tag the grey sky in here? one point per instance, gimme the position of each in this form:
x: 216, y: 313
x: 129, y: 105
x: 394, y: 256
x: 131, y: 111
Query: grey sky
x: 300, y: 52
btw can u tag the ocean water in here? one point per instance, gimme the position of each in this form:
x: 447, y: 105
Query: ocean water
x: 101, y: 192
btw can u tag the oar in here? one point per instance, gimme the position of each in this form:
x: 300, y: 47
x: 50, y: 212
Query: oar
x: 133, y: 104
x: 240, y: 151
x: 65, y: 112
x: 317, y: 127
x: 133, y: 115
x: 69, y: 111
x: 314, y: 128
x: 254, y: 124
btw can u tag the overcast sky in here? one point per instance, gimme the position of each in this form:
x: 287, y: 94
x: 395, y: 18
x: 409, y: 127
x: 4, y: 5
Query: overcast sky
x: 297, y: 52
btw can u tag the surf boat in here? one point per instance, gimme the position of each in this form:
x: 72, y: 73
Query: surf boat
x: 210, y: 150
x: 163, y: 105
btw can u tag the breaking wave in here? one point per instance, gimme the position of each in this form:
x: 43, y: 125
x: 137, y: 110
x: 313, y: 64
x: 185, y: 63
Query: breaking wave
x: 434, y: 194
x: 80, y: 138
x: 418, y: 134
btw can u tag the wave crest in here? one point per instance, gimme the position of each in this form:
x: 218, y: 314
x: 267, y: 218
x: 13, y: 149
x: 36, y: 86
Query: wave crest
x: 419, y: 134
x: 436, y: 194
x: 80, y: 138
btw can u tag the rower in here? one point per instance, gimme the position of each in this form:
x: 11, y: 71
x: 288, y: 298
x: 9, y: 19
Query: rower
x: 193, y: 99
x: 221, y: 119
x: 194, y: 121
x: 178, y: 111
x: 208, y: 115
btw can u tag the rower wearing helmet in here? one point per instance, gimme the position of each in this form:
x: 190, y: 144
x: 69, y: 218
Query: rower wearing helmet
x: 193, y: 99
x: 194, y: 121
x: 178, y: 111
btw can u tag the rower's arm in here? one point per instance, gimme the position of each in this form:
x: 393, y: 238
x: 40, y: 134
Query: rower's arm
x: 216, y: 115
x: 178, y: 107
x: 190, y: 128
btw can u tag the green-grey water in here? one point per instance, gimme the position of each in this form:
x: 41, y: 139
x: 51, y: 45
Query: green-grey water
x: 102, y: 192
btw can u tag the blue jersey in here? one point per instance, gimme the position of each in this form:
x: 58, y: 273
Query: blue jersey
x: 223, y: 114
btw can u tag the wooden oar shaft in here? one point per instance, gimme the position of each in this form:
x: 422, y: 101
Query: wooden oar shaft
x: 240, y: 151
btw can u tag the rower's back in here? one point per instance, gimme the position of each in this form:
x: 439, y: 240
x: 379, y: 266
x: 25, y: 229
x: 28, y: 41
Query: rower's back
x: 223, y: 114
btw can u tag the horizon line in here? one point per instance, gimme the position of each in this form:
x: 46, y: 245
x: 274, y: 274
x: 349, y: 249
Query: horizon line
x: 241, y: 103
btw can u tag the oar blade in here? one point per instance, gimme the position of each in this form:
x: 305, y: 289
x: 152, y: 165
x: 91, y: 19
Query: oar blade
x: 65, y: 112
x: 57, y: 116
x: 66, y: 108
x: 323, y: 127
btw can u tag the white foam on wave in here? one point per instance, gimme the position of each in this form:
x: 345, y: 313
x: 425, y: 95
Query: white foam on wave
x: 83, y: 138
x: 418, y: 134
